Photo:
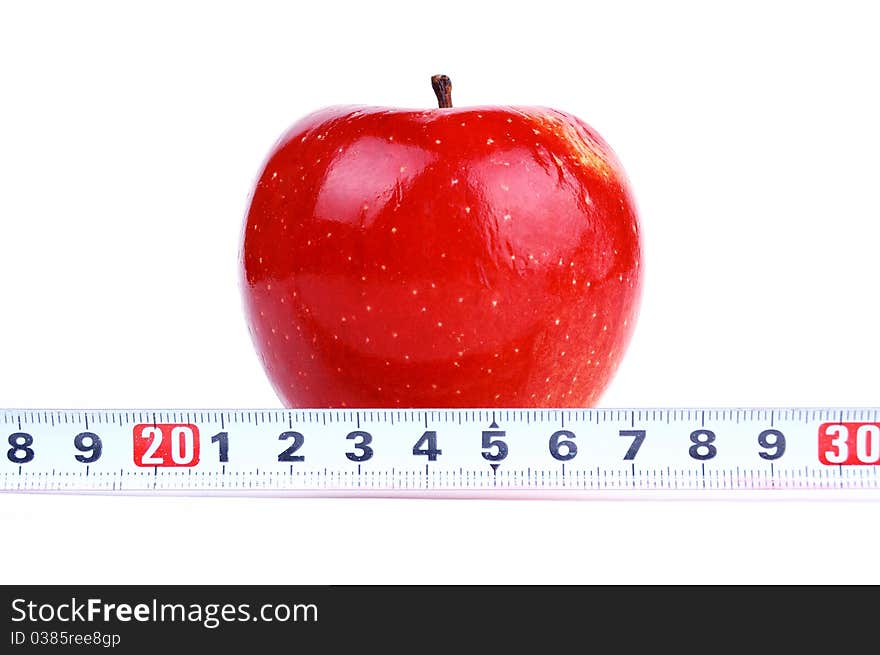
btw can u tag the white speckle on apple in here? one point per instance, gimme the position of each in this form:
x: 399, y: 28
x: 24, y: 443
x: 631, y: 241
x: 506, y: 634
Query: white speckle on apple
x: 424, y: 309
x: 439, y: 323
x: 454, y: 181
x: 504, y: 187
x: 268, y: 287
x: 329, y: 234
x: 369, y: 308
x: 383, y: 267
x: 509, y: 120
x: 490, y: 141
x: 415, y: 292
x: 456, y: 364
x: 467, y: 210
x: 437, y: 141
x: 458, y: 392
x: 566, y: 337
x: 556, y: 321
x: 403, y: 169
x: 516, y: 350
x: 366, y: 339
x: 620, y: 277
x: 594, y: 314
x: 604, y: 328
x: 433, y: 386
x: 343, y: 319
x: 461, y: 300
x: 562, y: 354
x: 394, y: 335
x: 506, y: 217
x: 393, y: 230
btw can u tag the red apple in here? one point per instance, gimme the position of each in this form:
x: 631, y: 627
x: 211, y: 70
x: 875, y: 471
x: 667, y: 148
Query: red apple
x: 453, y: 257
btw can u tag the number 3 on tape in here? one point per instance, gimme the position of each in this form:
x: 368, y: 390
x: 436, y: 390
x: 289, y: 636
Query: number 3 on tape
x: 166, y: 444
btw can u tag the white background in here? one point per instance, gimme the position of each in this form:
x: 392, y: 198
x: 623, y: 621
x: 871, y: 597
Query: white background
x: 129, y: 140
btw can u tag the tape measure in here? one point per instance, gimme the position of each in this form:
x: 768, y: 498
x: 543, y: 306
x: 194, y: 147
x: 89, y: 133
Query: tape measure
x: 439, y: 452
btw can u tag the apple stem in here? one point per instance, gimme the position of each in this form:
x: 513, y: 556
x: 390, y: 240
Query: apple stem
x: 443, y: 90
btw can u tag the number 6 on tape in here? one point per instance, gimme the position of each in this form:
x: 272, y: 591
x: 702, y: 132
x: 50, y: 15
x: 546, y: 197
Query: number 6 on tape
x: 166, y: 444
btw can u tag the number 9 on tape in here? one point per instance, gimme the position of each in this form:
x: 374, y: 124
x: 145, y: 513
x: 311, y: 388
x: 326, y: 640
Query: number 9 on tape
x: 166, y: 444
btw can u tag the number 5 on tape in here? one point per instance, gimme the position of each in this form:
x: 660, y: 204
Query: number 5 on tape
x: 166, y: 444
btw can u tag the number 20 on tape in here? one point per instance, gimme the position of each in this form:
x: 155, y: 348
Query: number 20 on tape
x: 166, y: 444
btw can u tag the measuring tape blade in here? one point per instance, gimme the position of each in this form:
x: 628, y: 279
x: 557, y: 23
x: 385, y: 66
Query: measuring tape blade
x: 440, y: 452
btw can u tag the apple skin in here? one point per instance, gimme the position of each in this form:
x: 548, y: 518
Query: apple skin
x: 481, y: 256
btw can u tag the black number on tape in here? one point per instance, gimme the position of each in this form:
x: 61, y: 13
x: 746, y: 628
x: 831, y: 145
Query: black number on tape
x: 429, y: 439
x: 489, y: 443
x: 363, y: 446
x: 288, y: 454
x: 777, y: 445
x: 702, y: 447
x: 222, y: 438
x: 94, y: 447
x: 557, y: 443
x: 21, y: 450
x: 638, y: 436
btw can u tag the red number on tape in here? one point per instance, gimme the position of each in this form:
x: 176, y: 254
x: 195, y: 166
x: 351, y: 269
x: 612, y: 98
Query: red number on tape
x: 166, y: 444
x: 849, y: 443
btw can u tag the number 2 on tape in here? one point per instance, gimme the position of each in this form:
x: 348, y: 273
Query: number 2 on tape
x: 166, y: 444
